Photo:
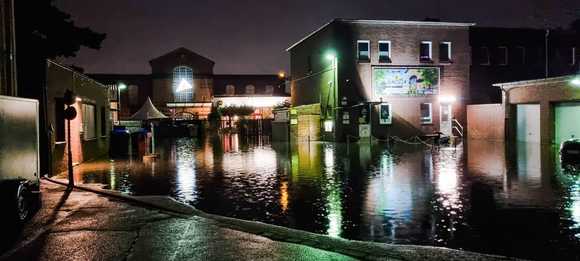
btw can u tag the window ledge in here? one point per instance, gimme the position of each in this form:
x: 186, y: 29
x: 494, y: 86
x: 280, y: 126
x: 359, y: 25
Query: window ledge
x: 59, y: 142
x: 364, y: 61
x: 92, y: 139
x: 446, y: 62
x: 425, y: 61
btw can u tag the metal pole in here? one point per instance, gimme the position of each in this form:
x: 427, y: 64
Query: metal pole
x: 152, y: 138
x: 547, y: 52
x: 118, y: 104
x: 71, y: 181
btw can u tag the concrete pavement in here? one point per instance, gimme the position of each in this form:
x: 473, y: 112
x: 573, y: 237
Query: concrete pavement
x: 82, y: 225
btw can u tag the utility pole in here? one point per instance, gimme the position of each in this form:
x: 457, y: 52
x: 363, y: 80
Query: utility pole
x: 69, y: 114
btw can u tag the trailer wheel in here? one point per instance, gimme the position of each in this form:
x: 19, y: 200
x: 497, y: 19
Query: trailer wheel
x: 18, y: 202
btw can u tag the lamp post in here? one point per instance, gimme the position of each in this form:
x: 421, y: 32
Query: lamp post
x: 120, y: 86
x: 331, y: 56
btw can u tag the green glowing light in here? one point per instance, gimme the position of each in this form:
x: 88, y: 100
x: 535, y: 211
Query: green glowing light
x: 330, y: 56
x: 576, y: 81
x: 122, y: 86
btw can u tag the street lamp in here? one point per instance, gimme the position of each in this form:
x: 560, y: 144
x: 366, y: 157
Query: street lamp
x: 120, y: 86
x: 576, y: 81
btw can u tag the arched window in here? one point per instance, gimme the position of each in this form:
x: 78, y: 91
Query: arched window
x: 230, y: 90
x: 250, y: 89
x: 183, y: 84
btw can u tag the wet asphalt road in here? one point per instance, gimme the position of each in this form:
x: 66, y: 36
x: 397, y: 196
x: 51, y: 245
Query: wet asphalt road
x: 85, y: 226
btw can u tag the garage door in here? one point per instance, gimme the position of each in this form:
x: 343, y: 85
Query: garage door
x: 528, y: 123
x: 566, y: 121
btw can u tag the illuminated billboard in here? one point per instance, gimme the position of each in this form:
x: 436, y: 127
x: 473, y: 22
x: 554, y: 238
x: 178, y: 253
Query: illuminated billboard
x: 405, y: 81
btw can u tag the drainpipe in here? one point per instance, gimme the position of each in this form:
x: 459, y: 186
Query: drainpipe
x: 506, y: 109
x: 546, y: 51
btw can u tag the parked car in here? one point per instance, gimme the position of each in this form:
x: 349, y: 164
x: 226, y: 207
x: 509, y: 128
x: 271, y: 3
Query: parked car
x: 570, y: 153
x: 19, y: 158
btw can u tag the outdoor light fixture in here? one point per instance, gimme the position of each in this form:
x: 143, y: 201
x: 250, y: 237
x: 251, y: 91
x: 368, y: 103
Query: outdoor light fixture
x: 330, y: 56
x: 79, y: 99
x: 281, y: 74
x: 328, y: 125
x: 122, y: 86
x: 576, y: 81
x: 447, y: 98
x: 183, y: 85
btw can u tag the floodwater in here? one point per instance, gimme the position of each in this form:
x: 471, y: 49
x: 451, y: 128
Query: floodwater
x: 478, y: 196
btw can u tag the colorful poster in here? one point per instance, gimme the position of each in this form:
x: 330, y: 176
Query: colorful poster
x: 405, y: 82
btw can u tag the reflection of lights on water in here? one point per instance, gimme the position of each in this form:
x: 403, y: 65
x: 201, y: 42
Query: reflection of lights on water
x: 284, y: 196
x: 112, y: 176
x: 447, y: 180
x: 186, y: 181
x: 575, y: 206
x: 334, y: 211
x: 329, y: 158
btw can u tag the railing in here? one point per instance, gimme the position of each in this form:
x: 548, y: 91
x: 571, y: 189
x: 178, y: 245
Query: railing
x: 458, y: 127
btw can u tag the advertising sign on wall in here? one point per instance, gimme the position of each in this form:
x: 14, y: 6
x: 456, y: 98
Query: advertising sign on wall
x: 405, y: 81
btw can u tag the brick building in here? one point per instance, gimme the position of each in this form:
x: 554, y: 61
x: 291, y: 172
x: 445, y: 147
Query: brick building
x: 518, y: 54
x: 394, y: 78
x: 183, y: 86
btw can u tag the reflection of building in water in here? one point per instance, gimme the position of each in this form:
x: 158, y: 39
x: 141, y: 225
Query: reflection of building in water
x: 398, y: 195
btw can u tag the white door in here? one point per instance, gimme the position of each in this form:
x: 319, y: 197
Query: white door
x: 566, y: 124
x: 528, y: 123
x: 446, y: 117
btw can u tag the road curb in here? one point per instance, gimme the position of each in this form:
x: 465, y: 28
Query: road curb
x: 358, y: 249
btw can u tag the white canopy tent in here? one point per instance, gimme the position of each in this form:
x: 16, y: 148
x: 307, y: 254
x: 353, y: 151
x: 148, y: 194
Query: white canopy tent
x: 148, y: 112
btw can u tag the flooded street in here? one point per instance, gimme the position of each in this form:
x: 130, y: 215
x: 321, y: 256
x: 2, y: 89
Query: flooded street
x: 475, y: 197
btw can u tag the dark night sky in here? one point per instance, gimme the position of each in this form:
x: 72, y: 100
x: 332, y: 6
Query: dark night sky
x: 251, y: 36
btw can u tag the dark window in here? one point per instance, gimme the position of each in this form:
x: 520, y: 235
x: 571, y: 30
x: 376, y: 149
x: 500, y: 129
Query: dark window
x: 483, y: 56
x: 426, y: 113
x: 445, y: 52
x: 103, y: 121
x: 384, y: 51
x: 425, y: 52
x: 363, y: 50
x: 519, y: 55
x: 501, y: 56
x: 59, y: 124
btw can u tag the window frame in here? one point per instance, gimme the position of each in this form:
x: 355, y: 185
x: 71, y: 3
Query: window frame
x: 248, y: 87
x: 389, y: 120
x: 184, y: 96
x: 228, y: 88
x: 506, y: 54
x: 426, y: 120
x: 430, y: 57
x: 85, y: 120
x: 358, y: 52
x: 449, y: 52
x: 388, y: 57
x: 487, y: 61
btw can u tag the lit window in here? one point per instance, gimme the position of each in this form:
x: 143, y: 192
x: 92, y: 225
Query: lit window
x: 89, y: 126
x: 483, y: 56
x: 445, y: 52
x: 269, y: 89
x: 426, y: 51
x: 426, y: 113
x: 502, y: 55
x: 385, y: 114
x: 385, y: 51
x: 250, y: 89
x: 230, y: 90
x: 363, y: 49
x: 183, y: 84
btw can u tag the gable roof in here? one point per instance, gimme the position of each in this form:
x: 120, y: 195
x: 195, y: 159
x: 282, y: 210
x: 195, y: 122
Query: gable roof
x: 181, y: 51
x: 384, y: 22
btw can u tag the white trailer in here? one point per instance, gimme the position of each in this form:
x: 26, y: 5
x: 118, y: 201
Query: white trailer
x: 19, y: 157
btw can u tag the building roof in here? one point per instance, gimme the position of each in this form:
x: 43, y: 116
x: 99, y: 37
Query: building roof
x: 181, y: 50
x: 380, y: 22
x: 509, y: 85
